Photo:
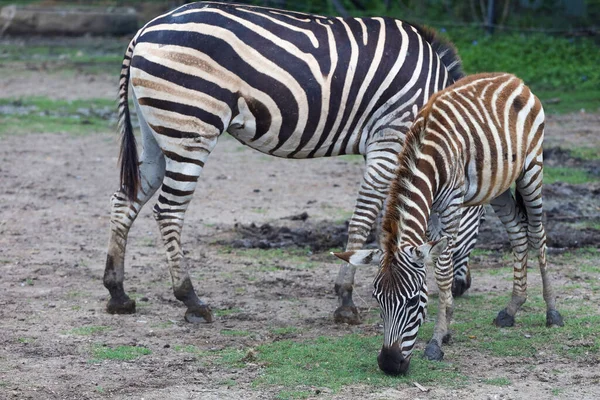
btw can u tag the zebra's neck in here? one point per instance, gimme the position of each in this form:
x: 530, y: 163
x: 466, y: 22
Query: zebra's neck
x: 411, y: 195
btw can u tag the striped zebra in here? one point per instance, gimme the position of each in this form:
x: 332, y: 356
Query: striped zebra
x: 287, y: 84
x: 468, y: 145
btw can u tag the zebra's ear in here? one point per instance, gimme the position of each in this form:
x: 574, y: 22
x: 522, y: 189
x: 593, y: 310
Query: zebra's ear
x: 360, y: 257
x: 431, y: 250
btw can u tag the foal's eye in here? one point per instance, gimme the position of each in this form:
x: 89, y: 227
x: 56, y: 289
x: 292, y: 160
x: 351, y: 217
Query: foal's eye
x: 413, y: 302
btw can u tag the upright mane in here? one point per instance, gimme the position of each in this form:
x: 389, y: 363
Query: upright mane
x: 445, y: 50
x: 399, y: 189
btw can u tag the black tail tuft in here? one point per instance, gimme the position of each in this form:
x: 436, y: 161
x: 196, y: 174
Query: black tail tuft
x: 128, y: 157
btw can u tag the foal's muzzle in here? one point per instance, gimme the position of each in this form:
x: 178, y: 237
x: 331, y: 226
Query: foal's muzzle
x: 391, y: 361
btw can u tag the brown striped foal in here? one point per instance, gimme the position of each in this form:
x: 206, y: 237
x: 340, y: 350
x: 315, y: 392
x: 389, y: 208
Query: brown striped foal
x: 468, y: 145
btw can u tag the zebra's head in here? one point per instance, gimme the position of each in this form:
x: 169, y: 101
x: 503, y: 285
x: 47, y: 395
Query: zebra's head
x: 400, y: 288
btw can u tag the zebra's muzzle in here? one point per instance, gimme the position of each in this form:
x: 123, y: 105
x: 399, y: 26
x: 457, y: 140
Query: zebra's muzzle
x: 391, y: 361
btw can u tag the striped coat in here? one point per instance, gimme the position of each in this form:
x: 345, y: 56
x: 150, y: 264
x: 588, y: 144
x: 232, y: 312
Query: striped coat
x: 287, y: 84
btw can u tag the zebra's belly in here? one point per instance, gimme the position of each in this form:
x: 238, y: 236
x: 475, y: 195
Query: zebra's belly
x: 278, y: 140
x: 490, y: 180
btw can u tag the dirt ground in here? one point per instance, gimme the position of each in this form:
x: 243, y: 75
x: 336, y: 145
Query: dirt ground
x: 54, y: 215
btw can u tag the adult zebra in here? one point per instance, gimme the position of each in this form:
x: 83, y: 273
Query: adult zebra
x: 287, y: 84
x: 468, y: 145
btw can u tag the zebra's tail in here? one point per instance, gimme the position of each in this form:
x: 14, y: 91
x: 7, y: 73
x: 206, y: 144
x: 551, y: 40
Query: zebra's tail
x: 128, y: 156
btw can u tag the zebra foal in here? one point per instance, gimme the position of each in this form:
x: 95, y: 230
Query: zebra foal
x: 468, y: 145
x: 287, y: 84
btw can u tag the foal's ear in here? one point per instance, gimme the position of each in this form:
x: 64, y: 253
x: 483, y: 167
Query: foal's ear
x: 360, y: 257
x: 431, y: 250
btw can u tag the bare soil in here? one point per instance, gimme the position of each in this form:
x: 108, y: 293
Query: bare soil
x: 54, y: 215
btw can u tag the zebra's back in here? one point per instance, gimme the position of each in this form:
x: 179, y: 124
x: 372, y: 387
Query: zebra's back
x: 496, y: 122
x: 287, y: 84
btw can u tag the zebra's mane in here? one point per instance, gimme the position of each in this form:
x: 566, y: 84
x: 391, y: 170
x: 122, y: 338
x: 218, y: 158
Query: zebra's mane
x: 399, y: 189
x: 445, y: 50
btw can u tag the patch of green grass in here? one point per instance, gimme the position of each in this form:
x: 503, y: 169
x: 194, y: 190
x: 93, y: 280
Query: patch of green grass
x: 573, y: 176
x: 334, y: 362
x: 562, y: 102
x: 226, y: 311
x: 482, y: 253
x: 40, y: 114
x: 119, y: 353
x: 89, y: 330
x: 519, y: 54
x: 498, y: 381
x: 25, y: 340
x: 472, y: 327
x: 586, y: 153
x: 288, y: 330
x: 269, y: 258
x: 589, y: 224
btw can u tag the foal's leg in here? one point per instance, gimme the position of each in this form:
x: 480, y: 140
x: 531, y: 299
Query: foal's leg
x: 513, y: 219
x: 123, y: 213
x: 381, y: 162
x: 449, y: 221
x: 529, y: 188
x: 185, y: 160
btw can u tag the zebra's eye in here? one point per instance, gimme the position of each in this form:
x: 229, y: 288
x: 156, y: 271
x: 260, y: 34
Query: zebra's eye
x: 413, y: 302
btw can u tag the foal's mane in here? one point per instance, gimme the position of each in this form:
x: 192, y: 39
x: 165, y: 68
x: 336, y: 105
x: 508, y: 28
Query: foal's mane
x: 392, y: 220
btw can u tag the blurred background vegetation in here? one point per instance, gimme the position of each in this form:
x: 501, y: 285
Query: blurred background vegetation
x: 554, y: 45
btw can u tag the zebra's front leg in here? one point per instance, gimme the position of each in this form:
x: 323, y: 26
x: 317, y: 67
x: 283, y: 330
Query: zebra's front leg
x: 123, y: 213
x: 181, y: 177
x: 444, y: 278
x: 449, y: 223
x: 373, y: 190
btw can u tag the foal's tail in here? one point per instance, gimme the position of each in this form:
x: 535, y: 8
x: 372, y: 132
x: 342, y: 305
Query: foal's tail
x: 128, y: 156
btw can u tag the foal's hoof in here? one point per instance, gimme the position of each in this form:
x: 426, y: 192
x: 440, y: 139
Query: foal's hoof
x: 504, y: 320
x: 553, y: 318
x: 199, y: 313
x: 433, y: 351
x: 122, y: 305
x: 346, y: 314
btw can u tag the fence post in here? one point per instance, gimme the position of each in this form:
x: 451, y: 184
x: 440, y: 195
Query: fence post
x: 490, y: 17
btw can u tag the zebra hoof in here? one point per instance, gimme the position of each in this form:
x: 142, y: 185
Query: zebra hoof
x: 122, y: 305
x: 553, y: 318
x: 199, y: 313
x: 504, y: 320
x: 459, y: 286
x: 346, y: 315
x: 433, y: 351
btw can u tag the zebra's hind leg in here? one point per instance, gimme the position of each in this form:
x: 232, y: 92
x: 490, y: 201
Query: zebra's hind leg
x: 513, y: 220
x: 379, y: 172
x: 182, y: 170
x: 465, y: 242
x: 123, y: 213
x: 529, y: 194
